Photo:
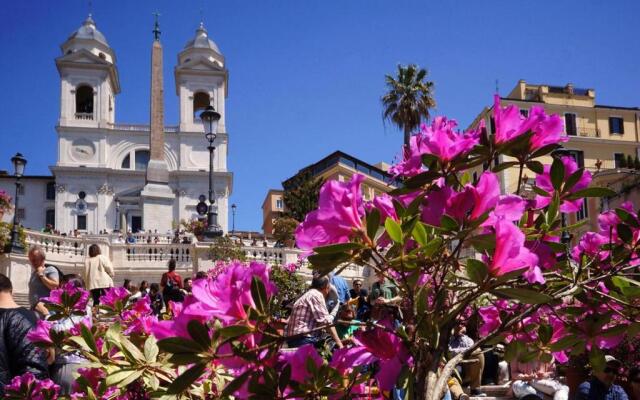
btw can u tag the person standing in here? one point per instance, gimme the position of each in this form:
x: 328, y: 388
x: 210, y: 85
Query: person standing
x: 171, y: 284
x: 98, y: 273
x: 601, y: 386
x: 472, y: 370
x: 309, y: 313
x: 44, y: 278
x: 17, y: 354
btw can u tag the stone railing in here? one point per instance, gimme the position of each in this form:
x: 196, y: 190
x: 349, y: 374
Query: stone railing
x: 142, y: 128
x: 143, y: 260
x: 84, y: 116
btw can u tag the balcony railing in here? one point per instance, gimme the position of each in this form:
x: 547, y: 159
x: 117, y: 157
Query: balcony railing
x: 142, y: 128
x: 586, y: 132
x: 84, y: 116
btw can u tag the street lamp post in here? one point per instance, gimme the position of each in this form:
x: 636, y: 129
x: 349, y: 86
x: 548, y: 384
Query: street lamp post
x: 210, y: 120
x: 233, y: 213
x: 19, y: 162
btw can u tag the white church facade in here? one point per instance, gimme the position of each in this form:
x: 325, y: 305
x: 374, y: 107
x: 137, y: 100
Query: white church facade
x: 101, y: 177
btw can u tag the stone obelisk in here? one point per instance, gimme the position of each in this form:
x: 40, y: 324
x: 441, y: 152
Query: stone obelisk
x: 157, y: 197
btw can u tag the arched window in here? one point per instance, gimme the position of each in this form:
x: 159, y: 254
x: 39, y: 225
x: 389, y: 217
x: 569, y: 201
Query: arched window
x: 126, y: 163
x: 142, y: 159
x: 84, y: 102
x: 200, y: 101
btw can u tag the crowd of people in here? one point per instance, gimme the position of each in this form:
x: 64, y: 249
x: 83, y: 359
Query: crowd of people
x: 329, y: 313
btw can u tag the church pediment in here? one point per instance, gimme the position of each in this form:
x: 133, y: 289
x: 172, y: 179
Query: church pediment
x: 82, y: 56
x: 201, y: 64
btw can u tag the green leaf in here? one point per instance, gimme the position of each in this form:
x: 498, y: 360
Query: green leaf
x: 186, y: 379
x: 130, y: 350
x: 476, y: 271
x: 236, y: 384
x: 88, y: 338
x: 432, y: 247
x: 393, y: 230
x: 544, y: 150
x: 420, y: 234
x: 482, y: 243
x: 465, y: 178
x: 337, y: 248
x: 504, y: 165
x: 627, y: 217
x: 591, y: 192
x: 540, y: 191
x: 625, y: 233
x: 199, y: 333
x: 552, y: 211
x: 557, y: 173
x: 564, y: 343
x: 448, y: 223
x: 373, y: 223
x: 536, y: 166
x: 421, y: 179
x: 233, y: 331
x: 179, y: 345
x: 572, y: 180
x: 525, y: 296
x: 544, y: 333
x: 325, y: 263
x: 151, y: 349
x: 259, y: 294
x: 125, y: 374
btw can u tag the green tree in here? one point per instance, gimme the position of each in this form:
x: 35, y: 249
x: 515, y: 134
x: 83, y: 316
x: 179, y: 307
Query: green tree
x: 224, y: 248
x: 284, y: 228
x: 636, y: 163
x: 290, y: 286
x: 408, y: 99
x: 302, y: 196
x: 630, y: 163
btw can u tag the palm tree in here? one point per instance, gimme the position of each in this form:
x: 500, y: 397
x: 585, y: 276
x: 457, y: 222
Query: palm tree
x: 409, y: 99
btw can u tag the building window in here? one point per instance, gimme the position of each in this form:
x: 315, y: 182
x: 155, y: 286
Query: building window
x: 578, y: 157
x: 126, y: 163
x: 279, y: 204
x: 50, y: 217
x: 51, y: 191
x: 81, y: 223
x: 142, y: 159
x: 20, y: 189
x: 584, y: 210
x: 616, y: 126
x: 21, y: 214
x: 524, y: 112
x: 201, y: 101
x: 570, y: 124
x: 84, y: 101
x: 618, y: 160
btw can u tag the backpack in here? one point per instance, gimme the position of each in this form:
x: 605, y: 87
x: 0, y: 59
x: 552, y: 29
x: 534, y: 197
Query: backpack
x: 60, y: 273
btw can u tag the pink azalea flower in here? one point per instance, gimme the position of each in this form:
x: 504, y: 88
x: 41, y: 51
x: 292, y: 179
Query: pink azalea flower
x: 55, y: 296
x: 138, y: 319
x: 435, y: 203
x: 384, y: 347
x: 510, y: 253
x: 486, y: 194
x: 544, y: 182
x: 590, y: 244
x: 439, y: 139
x: 298, y: 361
x: 27, y: 387
x: 225, y: 297
x: 95, y: 377
x: 384, y: 204
x: 549, y: 130
x: 86, y: 321
x: 491, y: 319
x: 510, y: 124
x: 113, y: 295
x: 339, y: 214
x: 41, y: 333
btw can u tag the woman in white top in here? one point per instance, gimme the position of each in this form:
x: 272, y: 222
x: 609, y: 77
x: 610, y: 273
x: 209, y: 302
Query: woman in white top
x: 98, y: 273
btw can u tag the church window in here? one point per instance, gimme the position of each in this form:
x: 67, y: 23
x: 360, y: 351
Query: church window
x: 201, y: 101
x: 126, y: 163
x: 142, y: 159
x: 51, y: 190
x: 84, y: 102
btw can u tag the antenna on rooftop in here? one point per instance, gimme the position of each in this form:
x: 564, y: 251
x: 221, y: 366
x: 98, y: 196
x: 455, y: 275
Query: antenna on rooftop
x: 497, y: 87
x: 90, y: 4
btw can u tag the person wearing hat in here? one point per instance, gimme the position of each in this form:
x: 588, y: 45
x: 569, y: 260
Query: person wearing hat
x: 601, y: 386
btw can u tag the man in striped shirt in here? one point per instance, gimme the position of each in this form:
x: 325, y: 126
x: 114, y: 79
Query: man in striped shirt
x: 309, y: 313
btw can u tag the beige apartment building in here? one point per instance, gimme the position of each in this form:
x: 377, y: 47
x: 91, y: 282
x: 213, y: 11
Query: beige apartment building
x: 337, y: 166
x: 599, y: 137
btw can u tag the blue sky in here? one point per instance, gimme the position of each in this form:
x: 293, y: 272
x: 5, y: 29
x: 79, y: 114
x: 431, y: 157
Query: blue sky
x: 306, y: 76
